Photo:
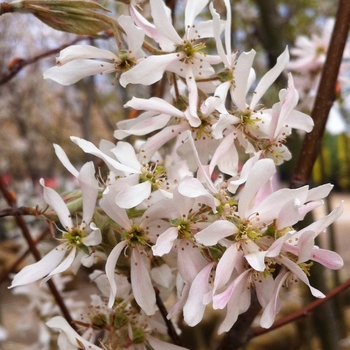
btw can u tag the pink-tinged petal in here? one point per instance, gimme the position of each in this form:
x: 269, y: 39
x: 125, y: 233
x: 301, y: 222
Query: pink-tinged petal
x: 134, y: 36
x: 162, y: 22
x: 268, y: 79
x: 40, y: 269
x: 237, y: 299
x: 61, y: 155
x: 165, y: 242
x: 226, y: 266
x: 94, y: 238
x: 189, y: 260
x: 74, y: 338
x: 110, y: 270
x: 83, y: 51
x: 143, y: 126
x: 218, y: 230
x: 157, y: 344
x: 89, y: 188
x: 125, y: 153
x: 54, y: 200
x: 64, y: 265
x: 150, y: 30
x: 242, y: 72
x: 194, y: 307
x: 321, y: 224
x: 279, y: 205
x: 293, y: 267
x: 275, y: 248
x: 131, y: 196
x: 141, y: 283
x: 76, y: 70
x: 305, y: 245
x: 89, y: 147
x: 261, y: 172
x: 274, y: 306
x: 264, y: 289
x: 327, y: 258
x: 140, y: 74
x: 154, y: 104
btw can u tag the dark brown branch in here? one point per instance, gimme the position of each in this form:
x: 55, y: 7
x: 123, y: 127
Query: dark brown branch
x: 10, y: 198
x: 171, y: 329
x: 18, y: 211
x: 305, y: 311
x: 325, y: 97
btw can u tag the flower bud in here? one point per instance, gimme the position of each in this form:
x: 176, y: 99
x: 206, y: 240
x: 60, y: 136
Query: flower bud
x: 73, y: 16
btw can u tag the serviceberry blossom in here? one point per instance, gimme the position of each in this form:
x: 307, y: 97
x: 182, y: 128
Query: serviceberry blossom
x: 192, y: 215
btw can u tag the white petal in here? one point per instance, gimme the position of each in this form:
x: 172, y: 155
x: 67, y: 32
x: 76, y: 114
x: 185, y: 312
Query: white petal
x: 193, y: 9
x: 141, y: 283
x: 270, y: 77
x: 134, y: 36
x: 61, y: 154
x: 73, y: 337
x: 74, y: 52
x: 162, y: 22
x: 216, y: 231
x: 195, y: 307
x: 55, y: 201
x: 94, y: 238
x: 154, y: 104
x: 89, y: 188
x: 165, y: 242
x: 76, y: 70
x: 157, y: 344
x: 125, y: 153
x: 40, y: 269
x: 131, y: 196
x: 110, y: 270
x: 140, y: 74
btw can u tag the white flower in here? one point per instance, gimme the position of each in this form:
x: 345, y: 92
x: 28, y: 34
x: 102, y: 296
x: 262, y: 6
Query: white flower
x: 79, y: 61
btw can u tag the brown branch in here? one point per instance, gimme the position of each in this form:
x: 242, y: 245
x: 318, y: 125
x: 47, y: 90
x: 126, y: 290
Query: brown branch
x: 17, y: 64
x: 305, y: 311
x: 11, y: 200
x: 22, y: 257
x: 325, y: 97
x: 171, y: 329
x: 13, y: 211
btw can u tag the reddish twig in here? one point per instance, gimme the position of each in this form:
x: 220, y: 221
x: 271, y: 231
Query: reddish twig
x: 10, y: 198
x: 305, y: 311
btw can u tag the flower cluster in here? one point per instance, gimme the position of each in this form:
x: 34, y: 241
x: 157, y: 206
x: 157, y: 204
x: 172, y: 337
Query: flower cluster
x: 203, y: 221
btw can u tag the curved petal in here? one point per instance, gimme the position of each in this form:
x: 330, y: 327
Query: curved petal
x: 40, y: 269
x: 55, y: 201
x: 141, y: 283
x: 134, y: 36
x: 76, y: 70
x: 73, y: 337
x: 125, y: 153
x: 165, y: 242
x: 131, y: 196
x: 215, y: 232
x: 110, y: 270
x: 62, y: 156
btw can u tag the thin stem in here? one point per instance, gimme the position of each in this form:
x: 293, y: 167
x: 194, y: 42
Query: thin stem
x: 171, y: 329
x: 10, y: 198
x: 325, y: 97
